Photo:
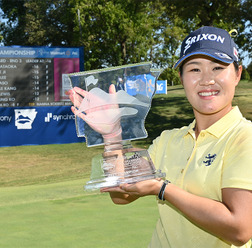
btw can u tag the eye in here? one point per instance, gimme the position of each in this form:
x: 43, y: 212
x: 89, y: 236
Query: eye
x: 218, y: 68
x: 195, y: 70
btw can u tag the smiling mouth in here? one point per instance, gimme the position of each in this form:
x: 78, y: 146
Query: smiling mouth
x: 209, y: 93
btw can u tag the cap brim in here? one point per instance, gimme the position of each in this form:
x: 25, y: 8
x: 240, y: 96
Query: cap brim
x: 224, y: 59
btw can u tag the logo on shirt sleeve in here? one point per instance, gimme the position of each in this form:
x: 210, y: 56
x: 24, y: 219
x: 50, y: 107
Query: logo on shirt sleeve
x: 209, y: 159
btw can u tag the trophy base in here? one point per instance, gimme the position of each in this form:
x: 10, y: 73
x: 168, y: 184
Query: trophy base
x: 121, y: 166
x: 109, y: 182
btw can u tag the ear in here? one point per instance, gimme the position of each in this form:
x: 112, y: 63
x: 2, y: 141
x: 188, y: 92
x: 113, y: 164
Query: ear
x: 181, y: 79
x: 238, y: 73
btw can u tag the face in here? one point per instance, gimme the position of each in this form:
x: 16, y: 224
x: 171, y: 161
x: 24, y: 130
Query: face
x: 209, y: 85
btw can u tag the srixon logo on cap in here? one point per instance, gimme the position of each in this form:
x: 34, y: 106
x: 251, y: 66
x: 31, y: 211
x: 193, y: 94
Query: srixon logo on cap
x: 200, y: 37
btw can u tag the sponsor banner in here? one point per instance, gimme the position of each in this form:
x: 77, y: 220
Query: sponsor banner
x: 145, y: 85
x: 37, y: 126
x: 161, y: 87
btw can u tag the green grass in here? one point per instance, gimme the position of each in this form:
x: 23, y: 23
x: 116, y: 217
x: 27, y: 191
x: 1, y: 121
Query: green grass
x: 42, y: 201
x: 26, y: 165
x: 62, y: 215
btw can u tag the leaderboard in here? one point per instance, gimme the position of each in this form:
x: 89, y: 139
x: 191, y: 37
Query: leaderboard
x: 32, y: 76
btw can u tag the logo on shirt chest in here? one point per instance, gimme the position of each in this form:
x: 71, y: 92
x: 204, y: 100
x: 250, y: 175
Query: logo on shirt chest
x: 209, y: 159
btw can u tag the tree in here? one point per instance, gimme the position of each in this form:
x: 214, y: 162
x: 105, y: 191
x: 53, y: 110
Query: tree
x: 117, y: 32
x: 37, y: 22
x: 113, y: 32
x: 247, y: 18
x: 49, y: 22
x: 229, y: 14
x: 14, y: 29
x: 245, y: 75
x: 249, y: 69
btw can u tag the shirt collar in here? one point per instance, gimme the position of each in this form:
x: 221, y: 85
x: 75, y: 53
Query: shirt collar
x: 222, y: 125
x: 191, y: 129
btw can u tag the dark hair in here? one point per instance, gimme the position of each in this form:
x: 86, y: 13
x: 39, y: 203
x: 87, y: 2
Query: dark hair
x: 236, y: 66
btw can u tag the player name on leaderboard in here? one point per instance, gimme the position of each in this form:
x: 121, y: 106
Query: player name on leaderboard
x: 26, y: 82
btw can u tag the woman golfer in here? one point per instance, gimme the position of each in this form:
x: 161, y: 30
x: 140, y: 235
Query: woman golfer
x: 206, y: 199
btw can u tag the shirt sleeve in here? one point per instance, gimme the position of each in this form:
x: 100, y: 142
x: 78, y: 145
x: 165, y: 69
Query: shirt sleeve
x: 237, y: 161
x: 153, y: 149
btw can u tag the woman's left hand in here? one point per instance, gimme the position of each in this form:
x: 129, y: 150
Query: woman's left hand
x: 139, y: 189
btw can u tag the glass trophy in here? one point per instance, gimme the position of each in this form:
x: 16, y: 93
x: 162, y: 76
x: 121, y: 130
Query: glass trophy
x: 111, y: 106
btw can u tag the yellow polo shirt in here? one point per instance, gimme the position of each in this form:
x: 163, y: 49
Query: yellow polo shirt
x: 221, y: 157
